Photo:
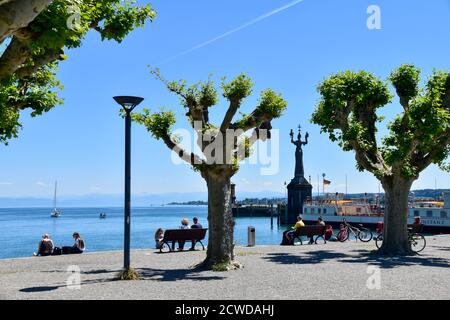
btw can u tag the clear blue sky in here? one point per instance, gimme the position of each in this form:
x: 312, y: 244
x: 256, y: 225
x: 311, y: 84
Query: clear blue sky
x: 81, y: 143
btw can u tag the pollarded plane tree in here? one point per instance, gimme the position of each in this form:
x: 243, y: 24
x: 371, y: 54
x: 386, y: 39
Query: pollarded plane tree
x: 35, y: 35
x: 418, y: 137
x: 222, y: 147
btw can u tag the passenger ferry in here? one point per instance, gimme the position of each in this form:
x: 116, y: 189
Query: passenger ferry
x: 435, y: 215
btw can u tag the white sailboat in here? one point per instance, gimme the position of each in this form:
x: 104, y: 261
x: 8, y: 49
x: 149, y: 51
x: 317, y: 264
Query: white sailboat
x: 55, y: 213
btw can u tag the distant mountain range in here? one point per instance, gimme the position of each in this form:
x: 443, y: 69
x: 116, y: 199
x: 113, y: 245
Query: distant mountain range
x: 145, y: 200
x: 116, y: 200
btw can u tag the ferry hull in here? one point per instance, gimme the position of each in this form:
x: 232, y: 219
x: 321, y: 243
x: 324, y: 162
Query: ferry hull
x: 433, y: 226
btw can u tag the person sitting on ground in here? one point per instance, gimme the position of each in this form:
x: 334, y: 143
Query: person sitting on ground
x: 289, y: 235
x: 45, y: 247
x: 184, y: 225
x: 320, y: 222
x: 159, y: 236
x: 77, y: 248
x: 196, y: 225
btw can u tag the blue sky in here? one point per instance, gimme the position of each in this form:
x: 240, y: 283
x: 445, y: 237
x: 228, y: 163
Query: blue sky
x: 81, y: 143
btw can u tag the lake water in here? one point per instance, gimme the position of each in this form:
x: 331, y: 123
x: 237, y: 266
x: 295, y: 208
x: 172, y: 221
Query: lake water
x: 21, y: 229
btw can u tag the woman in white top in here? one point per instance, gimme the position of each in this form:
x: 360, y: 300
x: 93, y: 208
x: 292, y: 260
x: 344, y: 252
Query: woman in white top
x: 184, y: 225
x: 78, y: 246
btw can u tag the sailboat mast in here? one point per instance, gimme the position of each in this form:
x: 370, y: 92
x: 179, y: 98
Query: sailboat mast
x: 54, y: 199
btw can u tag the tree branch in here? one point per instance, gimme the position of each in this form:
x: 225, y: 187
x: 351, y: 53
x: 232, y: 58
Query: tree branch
x: 190, y: 158
x: 232, y: 109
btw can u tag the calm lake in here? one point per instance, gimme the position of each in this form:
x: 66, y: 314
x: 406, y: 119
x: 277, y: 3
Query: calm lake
x: 21, y: 229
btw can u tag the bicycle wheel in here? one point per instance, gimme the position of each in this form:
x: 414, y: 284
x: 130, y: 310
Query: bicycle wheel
x: 379, y: 241
x: 342, y: 235
x: 365, y: 235
x: 418, y: 242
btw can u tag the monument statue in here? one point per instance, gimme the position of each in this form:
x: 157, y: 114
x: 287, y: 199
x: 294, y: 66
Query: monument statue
x: 299, y: 189
x: 299, y: 170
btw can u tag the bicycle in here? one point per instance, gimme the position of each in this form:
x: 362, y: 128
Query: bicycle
x: 361, y: 233
x: 415, y: 238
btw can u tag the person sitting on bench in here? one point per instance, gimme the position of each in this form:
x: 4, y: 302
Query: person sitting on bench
x: 184, y: 225
x: 289, y: 234
x: 320, y: 222
x: 159, y: 236
x: 195, y: 225
x: 45, y: 247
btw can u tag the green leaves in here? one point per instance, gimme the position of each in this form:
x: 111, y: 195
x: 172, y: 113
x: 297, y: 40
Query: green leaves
x: 237, y: 89
x: 417, y: 137
x: 158, y: 124
x: 63, y: 24
x: 272, y: 103
x: 406, y: 82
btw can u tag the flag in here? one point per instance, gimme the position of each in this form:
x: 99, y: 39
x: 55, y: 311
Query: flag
x: 326, y: 182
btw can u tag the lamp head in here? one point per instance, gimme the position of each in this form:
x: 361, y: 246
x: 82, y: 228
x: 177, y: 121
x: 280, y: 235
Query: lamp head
x: 128, y: 102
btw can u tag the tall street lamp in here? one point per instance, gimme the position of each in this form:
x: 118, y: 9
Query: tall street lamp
x: 128, y: 104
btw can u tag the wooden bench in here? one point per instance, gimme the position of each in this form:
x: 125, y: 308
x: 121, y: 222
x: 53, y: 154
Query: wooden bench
x: 310, y: 232
x: 174, y: 235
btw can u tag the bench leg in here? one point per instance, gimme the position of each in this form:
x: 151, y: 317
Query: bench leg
x: 201, y: 244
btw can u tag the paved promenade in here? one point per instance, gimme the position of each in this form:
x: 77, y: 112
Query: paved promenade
x: 330, y: 271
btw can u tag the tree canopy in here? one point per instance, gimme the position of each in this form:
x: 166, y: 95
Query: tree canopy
x: 36, y: 33
x: 197, y: 99
x: 418, y: 136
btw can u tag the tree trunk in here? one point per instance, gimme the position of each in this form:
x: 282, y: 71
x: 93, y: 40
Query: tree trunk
x: 17, y: 14
x: 395, y: 232
x: 220, y: 221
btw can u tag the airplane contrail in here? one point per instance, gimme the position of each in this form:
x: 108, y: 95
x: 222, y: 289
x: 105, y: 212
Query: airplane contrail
x: 245, y: 25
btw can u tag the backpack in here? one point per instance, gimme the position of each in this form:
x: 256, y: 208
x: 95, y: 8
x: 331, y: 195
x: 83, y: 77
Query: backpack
x: 57, y: 251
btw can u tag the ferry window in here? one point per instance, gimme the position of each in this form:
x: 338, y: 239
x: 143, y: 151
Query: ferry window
x: 416, y: 213
x: 443, y: 214
x: 429, y: 214
x: 324, y: 211
x: 319, y: 210
x: 358, y: 210
x: 305, y: 210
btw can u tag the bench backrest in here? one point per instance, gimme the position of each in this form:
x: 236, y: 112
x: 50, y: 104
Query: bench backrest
x: 184, y: 234
x: 310, y: 231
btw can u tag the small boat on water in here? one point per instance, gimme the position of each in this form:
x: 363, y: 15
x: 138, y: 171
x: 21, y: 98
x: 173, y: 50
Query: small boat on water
x: 55, y: 213
x: 102, y: 215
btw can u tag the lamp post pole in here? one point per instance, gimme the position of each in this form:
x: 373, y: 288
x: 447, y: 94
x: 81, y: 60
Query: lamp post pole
x: 128, y: 103
x: 127, y: 207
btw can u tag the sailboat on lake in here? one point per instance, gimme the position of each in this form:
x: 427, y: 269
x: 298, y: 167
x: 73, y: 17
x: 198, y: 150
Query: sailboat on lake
x: 55, y: 213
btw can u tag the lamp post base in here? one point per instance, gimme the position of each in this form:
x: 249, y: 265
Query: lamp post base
x: 129, y: 274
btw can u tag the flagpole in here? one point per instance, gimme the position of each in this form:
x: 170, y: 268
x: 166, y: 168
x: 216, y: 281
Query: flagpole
x: 323, y: 184
x: 318, y: 186
x: 346, y: 186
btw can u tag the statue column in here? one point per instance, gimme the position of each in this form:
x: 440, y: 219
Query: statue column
x: 299, y: 189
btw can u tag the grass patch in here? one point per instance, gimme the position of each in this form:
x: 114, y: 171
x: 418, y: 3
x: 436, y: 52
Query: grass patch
x: 129, y: 274
x: 220, y: 267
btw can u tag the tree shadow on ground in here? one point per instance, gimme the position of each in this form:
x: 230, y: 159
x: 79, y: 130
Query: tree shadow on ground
x: 175, y: 274
x: 358, y: 256
x: 311, y: 257
x: 389, y: 262
x: 442, y: 248
x: 147, y: 274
